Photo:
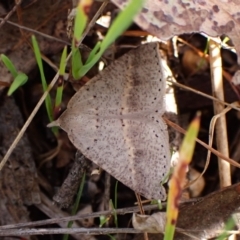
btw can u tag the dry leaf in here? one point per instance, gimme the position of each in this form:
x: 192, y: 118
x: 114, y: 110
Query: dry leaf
x: 154, y: 223
x: 166, y: 19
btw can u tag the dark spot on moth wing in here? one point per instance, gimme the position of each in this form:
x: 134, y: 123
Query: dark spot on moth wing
x: 132, y: 101
x: 138, y: 153
x: 135, y: 80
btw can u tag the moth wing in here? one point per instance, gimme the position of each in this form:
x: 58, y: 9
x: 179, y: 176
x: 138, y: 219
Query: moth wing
x: 134, y: 151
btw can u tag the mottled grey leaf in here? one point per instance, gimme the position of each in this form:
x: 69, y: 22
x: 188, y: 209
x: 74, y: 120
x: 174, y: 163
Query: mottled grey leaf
x: 169, y: 18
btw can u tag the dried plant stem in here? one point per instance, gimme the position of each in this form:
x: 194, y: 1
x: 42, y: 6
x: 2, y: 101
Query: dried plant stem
x: 36, y: 32
x: 214, y: 151
x: 3, y: 20
x: 232, y: 105
x: 85, y: 231
x: 141, y: 211
x: 122, y: 211
x: 29, y: 120
x: 47, y: 207
x: 221, y: 131
x: 92, y: 22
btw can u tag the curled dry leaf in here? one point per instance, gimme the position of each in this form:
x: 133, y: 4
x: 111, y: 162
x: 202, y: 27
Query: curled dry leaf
x: 166, y: 19
x: 197, y: 187
x: 154, y: 223
x: 236, y: 79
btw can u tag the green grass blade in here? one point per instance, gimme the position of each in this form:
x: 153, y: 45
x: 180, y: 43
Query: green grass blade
x: 48, y: 102
x: 115, y: 195
x: 93, y: 52
x: 9, y: 65
x: 103, y: 219
x: 59, y: 94
x: 114, y: 213
x: 76, y: 204
x: 228, y: 226
x: 18, y: 81
x: 76, y: 63
x: 177, y: 180
x: 62, y: 68
x: 80, y: 22
x: 79, y: 26
x: 111, y: 237
x: 122, y: 22
x: 63, y: 62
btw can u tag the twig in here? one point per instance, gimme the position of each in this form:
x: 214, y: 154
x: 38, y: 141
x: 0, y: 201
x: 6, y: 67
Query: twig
x: 141, y: 211
x: 221, y: 131
x: 47, y: 207
x: 85, y: 231
x: 94, y: 19
x: 29, y: 120
x: 3, y: 20
x: 37, y: 32
x: 214, y: 151
x: 121, y: 211
x: 204, y: 94
x: 210, y: 141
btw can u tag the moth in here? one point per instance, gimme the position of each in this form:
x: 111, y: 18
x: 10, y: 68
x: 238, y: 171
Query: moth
x: 115, y: 120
